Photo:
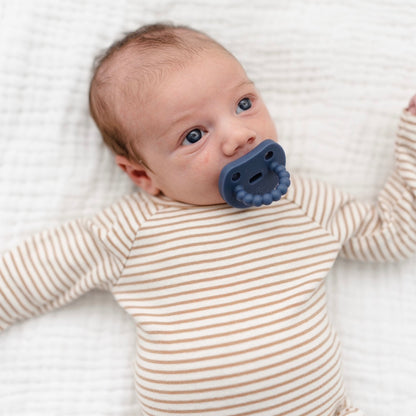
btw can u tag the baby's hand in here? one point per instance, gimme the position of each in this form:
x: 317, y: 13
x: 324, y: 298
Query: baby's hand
x: 412, y: 106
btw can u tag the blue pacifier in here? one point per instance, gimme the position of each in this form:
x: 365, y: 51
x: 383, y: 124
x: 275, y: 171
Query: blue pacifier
x: 257, y: 178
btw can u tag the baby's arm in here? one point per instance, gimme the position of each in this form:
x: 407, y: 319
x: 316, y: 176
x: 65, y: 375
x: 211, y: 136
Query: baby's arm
x: 381, y: 231
x: 57, y: 266
x: 386, y: 230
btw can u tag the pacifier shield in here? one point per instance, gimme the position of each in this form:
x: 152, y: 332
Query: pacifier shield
x: 257, y: 178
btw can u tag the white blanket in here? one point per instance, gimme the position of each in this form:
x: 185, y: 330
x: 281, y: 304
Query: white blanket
x: 335, y: 75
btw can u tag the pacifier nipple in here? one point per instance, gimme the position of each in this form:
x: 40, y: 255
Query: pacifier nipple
x: 257, y: 178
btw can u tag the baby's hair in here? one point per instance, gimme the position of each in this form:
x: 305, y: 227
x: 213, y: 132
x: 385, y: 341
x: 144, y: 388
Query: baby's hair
x: 144, y: 43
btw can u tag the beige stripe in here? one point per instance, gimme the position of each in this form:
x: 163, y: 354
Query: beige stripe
x: 402, y: 242
x: 45, y: 283
x: 319, y: 190
x: 49, y: 250
x: 17, y: 297
x: 141, y: 281
x: 367, y: 248
x: 87, y: 246
x: 407, y: 120
x: 410, y: 171
x: 337, y: 381
x: 182, y: 217
x: 298, y: 387
x: 100, y: 220
x: 106, y: 215
x: 284, y: 366
x: 313, y: 197
x: 191, y: 213
x: 298, y: 399
x: 338, y: 228
x: 310, y: 282
x: 121, y: 241
x: 41, y: 251
x: 331, y: 211
x: 132, y: 228
x: 218, y: 240
x: 206, y: 252
x: 120, y: 216
x: 165, y: 313
x: 76, y: 251
x: 149, y: 209
x: 232, y: 303
x: 212, y: 317
x: 201, y: 290
x: 101, y: 259
x: 25, y: 272
x: 308, y: 341
x: 6, y: 317
x: 381, y: 255
x: 329, y: 253
x: 240, y: 340
x: 234, y: 321
x: 185, y: 219
x: 71, y: 244
x: 132, y: 206
x: 335, y: 356
x: 220, y: 230
x: 387, y: 245
x: 407, y: 149
x: 61, y: 255
x: 408, y: 139
x: 28, y: 295
x: 114, y: 244
x: 229, y: 313
x: 264, y: 276
x: 331, y: 400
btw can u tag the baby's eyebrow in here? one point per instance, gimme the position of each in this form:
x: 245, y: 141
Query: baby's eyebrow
x: 244, y: 83
x: 180, y: 118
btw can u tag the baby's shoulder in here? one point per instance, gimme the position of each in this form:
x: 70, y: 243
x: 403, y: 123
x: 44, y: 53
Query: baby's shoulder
x: 315, y: 196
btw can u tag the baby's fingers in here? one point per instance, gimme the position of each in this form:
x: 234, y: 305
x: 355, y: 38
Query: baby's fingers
x: 412, y: 105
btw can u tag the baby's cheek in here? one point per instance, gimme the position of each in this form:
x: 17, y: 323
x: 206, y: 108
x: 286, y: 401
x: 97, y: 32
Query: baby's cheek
x: 272, y: 132
x: 205, y: 161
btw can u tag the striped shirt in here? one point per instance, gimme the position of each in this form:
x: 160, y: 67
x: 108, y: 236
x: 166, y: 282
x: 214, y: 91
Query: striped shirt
x: 229, y: 304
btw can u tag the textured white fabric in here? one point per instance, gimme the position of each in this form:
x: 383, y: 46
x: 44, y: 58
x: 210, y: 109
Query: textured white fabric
x: 335, y: 77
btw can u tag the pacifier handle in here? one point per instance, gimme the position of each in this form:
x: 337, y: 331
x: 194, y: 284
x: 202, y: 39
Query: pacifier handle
x: 267, y: 198
x: 257, y: 178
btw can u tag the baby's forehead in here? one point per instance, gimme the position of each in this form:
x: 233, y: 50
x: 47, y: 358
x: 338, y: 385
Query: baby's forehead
x: 135, y: 70
x: 163, y: 57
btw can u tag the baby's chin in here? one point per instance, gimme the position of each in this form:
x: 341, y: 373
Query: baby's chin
x: 213, y: 198
x: 203, y: 201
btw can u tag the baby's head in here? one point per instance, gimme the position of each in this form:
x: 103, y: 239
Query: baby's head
x: 175, y: 107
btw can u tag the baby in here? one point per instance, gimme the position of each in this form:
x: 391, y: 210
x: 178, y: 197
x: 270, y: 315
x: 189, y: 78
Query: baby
x: 229, y: 304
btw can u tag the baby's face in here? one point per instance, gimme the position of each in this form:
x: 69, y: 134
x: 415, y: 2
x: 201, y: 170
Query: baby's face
x: 199, y: 118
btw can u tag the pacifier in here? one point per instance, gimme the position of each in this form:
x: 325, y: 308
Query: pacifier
x: 257, y: 178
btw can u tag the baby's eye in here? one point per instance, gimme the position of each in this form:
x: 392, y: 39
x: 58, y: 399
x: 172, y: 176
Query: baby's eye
x: 243, y: 105
x: 193, y: 136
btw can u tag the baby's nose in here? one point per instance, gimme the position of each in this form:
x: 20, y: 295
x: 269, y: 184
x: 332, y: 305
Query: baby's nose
x: 237, y: 141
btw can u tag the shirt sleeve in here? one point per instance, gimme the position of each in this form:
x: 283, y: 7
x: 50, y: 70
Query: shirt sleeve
x: 54, y: 267
x: 381, y: 231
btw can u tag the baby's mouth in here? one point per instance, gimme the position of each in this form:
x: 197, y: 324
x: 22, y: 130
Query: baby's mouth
x: 257, y: 178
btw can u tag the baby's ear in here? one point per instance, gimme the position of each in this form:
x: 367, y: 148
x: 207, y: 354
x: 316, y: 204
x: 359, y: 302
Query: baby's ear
x: 138, y: 173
